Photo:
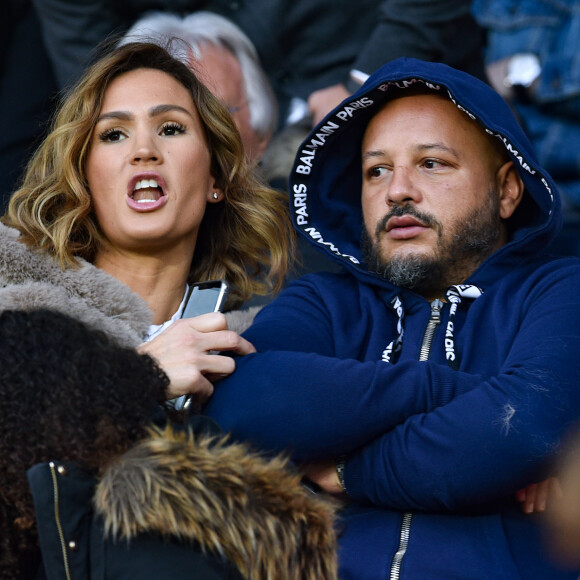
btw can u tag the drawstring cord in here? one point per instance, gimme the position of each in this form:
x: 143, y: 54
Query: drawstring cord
x: 391, y: 353
x: 455, y: 295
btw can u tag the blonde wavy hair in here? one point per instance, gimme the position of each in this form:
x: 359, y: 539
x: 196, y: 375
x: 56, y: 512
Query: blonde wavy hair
x: 248, y: 239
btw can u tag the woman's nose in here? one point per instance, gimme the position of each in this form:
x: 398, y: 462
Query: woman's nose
x: 145, y: 150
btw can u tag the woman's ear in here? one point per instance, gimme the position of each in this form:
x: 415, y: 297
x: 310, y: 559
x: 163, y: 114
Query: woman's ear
x: 511, y: 189
x: 215, y: 196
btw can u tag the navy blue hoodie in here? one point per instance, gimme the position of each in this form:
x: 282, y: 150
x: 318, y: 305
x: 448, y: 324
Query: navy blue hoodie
x: 436, y: 448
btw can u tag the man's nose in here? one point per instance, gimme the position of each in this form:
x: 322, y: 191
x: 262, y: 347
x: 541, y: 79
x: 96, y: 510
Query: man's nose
x: 402, y: 188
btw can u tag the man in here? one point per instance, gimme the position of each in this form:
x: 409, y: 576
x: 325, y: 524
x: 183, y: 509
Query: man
x: 435, y: 377
x: 226, y: 61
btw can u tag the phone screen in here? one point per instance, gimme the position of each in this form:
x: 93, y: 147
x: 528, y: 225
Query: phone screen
x: 205, y: 297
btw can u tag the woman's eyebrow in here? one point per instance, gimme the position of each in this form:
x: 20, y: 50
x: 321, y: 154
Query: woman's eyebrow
x: 153, y: 112
x: 160, y: 109
x: 121, y: 115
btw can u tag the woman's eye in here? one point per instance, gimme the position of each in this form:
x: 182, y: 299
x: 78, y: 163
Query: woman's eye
x: 111, y: 135
x: 171, y: 129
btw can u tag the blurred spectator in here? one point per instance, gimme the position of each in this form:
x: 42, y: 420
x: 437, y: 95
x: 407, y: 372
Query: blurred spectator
x: 27, y: 86
x: 533, y: 60
x: 563, y: 513
x: 226, y: 61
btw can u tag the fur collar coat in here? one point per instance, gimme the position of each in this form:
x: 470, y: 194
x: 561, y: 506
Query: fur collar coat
x: 193, y: 491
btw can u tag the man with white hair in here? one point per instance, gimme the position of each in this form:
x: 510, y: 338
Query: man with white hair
x: 226, y: 61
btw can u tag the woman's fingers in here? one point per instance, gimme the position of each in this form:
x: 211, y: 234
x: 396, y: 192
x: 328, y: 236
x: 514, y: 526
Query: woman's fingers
x: 188, y: 352
x: 209, y: 322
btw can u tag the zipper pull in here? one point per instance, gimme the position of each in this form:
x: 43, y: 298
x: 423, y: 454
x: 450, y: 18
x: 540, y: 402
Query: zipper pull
x: 436, y: 307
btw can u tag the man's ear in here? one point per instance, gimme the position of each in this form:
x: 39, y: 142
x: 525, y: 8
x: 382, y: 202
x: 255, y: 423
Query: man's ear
x: 511, y: 188
x: 259, y: 146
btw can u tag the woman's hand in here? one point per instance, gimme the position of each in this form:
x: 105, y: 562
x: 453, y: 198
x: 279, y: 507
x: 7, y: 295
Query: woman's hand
x: 186, y: 351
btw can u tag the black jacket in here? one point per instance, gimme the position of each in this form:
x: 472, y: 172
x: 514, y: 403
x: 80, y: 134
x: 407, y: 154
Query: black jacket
x: 179, y: 505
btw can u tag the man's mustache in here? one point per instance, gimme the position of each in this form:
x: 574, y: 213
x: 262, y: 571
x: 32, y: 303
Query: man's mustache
x: 410, y: 210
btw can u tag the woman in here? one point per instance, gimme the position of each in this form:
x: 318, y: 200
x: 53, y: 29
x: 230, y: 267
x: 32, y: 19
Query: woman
x: 140, y: 188
x: 75, y: 433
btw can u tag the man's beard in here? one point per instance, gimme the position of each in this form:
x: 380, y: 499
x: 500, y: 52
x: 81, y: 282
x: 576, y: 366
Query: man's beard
x: 470, y: 241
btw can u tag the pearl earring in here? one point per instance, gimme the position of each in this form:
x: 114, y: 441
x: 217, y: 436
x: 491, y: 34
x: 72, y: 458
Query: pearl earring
x: 215, y: 195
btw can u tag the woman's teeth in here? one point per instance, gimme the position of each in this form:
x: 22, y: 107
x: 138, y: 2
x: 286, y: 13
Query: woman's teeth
x: 145, y: 184
x: 148, y: 196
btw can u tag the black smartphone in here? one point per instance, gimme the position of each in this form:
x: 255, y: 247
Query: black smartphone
x: 203, y: 297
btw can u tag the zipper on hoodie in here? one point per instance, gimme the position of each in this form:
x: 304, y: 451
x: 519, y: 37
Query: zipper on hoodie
x: 57, y: 519
x: 403, y: 543
x: 434, y: 321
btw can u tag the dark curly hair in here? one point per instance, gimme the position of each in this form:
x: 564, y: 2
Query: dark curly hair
x: 68, y: 393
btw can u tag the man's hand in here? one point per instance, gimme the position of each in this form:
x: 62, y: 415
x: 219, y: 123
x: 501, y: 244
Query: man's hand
x: 534, y: 497
x: 323, y: 473
x: 324, y: 100
x: 186, y: 351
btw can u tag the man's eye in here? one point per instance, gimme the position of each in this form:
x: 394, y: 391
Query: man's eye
x: 432, y: 163
x: 377, y: 171
x: 171, y: 129
x: 111, y: 135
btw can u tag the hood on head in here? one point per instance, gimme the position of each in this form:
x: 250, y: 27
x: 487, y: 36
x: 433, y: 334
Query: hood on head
x: 326, y: 179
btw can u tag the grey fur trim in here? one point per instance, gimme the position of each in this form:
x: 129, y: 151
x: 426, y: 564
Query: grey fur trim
x: 240, y: 320
x: 30, y: 280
